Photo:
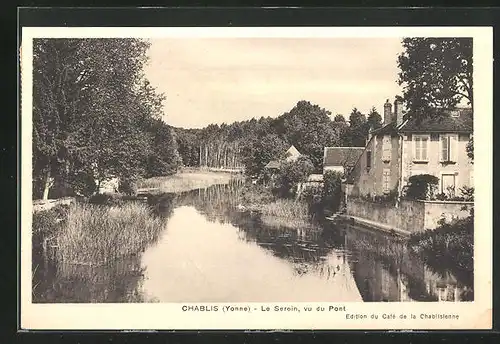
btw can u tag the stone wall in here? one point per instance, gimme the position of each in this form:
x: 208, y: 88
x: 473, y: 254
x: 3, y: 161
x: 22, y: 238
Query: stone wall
x: 411, y: 216
x: 435, y: 210
x: 408, y: 216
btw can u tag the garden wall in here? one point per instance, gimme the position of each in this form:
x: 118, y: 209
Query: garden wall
x: 434, y: 210
x: 411, y: 216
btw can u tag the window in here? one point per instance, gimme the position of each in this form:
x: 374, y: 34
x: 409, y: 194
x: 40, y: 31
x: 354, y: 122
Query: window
x: 386, y: 179
x: 386, y: 148
x: 421, y: 143
x: 448, y: 148
x: 368, y: 160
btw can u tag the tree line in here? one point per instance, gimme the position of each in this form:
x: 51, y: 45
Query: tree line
x: 253, y: 143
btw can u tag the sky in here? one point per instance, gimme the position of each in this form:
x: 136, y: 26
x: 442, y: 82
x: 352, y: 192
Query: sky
x: 216, y: 80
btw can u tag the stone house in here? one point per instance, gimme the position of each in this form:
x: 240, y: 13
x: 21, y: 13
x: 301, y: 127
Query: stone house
x: 402, y: 148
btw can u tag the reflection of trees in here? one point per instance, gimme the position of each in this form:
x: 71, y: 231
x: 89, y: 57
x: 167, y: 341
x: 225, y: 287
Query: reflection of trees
x: 385, y: 270
x: 382, y: 267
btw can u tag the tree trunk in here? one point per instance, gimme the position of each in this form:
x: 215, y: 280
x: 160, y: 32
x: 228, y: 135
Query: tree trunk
x: 47, y: 183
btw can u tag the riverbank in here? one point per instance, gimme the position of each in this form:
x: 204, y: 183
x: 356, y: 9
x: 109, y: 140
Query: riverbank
x: 185, y: 181
x: 277, y: 212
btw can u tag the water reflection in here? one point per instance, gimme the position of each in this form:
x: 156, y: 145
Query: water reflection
x: 198, y: 260
x: 209, y: 251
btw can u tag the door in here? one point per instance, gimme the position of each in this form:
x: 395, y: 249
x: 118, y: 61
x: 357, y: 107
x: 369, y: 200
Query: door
x: 448, y: 184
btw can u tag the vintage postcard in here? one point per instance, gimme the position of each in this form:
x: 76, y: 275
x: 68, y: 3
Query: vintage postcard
x: 256, y: 178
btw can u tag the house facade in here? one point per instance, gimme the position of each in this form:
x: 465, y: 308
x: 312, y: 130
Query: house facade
x: 403, y: 148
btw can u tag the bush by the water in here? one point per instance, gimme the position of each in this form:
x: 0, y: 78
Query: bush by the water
x: 291, y: 174
x: 448, y: 247
x: 128, y: 186
x: 46, y: 223
x: 97, y: 234
x: 255, y: 195
x: 332, y: 195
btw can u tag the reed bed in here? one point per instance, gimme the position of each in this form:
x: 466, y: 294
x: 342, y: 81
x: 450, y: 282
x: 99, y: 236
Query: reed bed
x: 95, y: 235
x: 286, y: 208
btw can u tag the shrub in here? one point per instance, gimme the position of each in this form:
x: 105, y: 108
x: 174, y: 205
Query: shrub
x: 105, y: 199
x: 47, y: 222
x: 421, y: 187
x: 128, y: 186
x: 292, y: 173
x: 389, y: 198
x: 332, y: 193
x: 467, y: 193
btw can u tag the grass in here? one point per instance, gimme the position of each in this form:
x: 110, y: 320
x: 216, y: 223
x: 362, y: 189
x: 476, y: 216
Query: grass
x: 96, y: 235
x: 185, y: 181
x: 286, y: 208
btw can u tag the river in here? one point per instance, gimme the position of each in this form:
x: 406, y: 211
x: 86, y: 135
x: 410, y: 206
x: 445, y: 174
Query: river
x: 210, y: 251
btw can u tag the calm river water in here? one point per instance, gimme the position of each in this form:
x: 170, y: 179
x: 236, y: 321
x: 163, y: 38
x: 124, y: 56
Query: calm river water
x: 211, y: 252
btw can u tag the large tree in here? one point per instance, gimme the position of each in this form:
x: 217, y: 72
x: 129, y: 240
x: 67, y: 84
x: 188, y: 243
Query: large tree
x: 257, y: 153
x: 90, y: 110
x: 374, y: 120
x: 310, y: 129
x: 436, y: 73
x: 357, y: 133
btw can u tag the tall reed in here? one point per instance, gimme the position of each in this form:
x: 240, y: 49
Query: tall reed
x: 286, y: 208
x: 95, y: 235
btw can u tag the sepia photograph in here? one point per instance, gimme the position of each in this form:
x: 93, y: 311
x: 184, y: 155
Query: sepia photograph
x: 207, y: 171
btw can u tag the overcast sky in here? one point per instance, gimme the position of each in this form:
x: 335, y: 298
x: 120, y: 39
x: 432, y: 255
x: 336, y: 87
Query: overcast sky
x: 215, y: 80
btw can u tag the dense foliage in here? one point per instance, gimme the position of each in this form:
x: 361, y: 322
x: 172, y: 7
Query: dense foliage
x: 95, y: 116
x: 436, y: 73
x: 421, y: 186
x: 448, y: 248
x: 331, y: 196
x: 291, y: 174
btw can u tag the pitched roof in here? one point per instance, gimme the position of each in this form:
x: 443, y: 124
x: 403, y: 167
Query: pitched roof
x: 338, y: 156
x: 460, y: 120
x: 273, y: 164
x: 292, y: 150
x: 388, y: 129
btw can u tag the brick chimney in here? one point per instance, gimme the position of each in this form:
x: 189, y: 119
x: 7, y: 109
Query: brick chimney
x: 398, y: 111
x: 387, y: 112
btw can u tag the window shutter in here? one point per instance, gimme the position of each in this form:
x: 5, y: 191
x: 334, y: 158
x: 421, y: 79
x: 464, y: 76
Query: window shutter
x: 386, y: 148
x: 454, y: 148
x: 444, y: 148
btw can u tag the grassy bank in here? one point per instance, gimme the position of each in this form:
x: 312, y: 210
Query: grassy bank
x: 185, y: 181
x: 275, y: 211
